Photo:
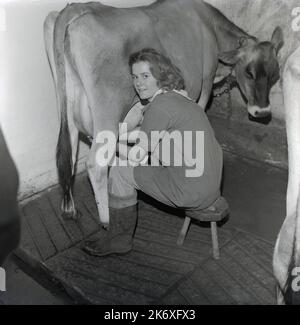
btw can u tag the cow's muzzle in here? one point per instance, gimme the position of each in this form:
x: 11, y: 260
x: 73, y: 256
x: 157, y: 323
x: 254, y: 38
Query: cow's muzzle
x: 260, y: 115
x: 258, y: 112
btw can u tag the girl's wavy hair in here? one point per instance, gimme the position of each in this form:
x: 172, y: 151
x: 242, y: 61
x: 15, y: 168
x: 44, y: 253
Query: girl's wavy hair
x: 168, y: 76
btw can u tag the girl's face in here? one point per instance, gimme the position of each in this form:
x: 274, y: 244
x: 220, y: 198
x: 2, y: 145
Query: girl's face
x: 144, y: 82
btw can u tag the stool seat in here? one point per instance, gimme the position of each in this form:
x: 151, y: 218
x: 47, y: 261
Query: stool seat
x: 217, y: 211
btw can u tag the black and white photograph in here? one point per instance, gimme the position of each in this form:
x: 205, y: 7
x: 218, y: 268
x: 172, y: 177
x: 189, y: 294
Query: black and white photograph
x: 150, y: 155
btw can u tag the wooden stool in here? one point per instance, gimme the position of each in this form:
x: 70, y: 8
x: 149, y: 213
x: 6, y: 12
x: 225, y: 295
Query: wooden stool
x: 216, y: 212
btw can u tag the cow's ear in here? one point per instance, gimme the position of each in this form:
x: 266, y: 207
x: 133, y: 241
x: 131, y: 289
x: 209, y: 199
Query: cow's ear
x: 230, y: 57
x: 277, y: 39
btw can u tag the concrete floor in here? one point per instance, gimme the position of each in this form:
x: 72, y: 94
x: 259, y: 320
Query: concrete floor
x: 22, y: 289
x: 256, y: 195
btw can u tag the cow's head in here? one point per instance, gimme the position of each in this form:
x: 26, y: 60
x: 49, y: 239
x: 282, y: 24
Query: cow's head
x: 257, y: 70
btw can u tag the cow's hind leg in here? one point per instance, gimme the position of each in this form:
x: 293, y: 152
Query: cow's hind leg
x: 98, y: 175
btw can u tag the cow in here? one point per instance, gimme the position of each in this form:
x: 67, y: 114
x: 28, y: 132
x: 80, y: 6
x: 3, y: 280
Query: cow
x: 88, y: 46
x: 286, y: 257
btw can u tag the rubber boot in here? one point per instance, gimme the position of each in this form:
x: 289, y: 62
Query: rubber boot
x: 118, y: 239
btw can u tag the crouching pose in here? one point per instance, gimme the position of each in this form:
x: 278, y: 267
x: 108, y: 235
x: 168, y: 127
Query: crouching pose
x: 176, y: 158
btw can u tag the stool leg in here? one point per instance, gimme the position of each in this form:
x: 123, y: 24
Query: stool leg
x: 215, y: 243
x: 183, y: 231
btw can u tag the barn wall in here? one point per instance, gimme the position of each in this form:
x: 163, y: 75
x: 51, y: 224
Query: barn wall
x: 229, y: 114
x: 28, y: 114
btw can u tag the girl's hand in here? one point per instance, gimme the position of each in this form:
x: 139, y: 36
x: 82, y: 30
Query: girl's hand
x: 133, y: 118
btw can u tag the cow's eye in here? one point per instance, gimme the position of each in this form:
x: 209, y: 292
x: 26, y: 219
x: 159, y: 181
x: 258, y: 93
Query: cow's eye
x: 249, y: 74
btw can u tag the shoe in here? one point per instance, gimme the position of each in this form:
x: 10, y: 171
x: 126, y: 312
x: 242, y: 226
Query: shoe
x: 118, y: 239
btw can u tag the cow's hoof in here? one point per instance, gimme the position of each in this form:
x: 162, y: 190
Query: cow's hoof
x: 72, y: 215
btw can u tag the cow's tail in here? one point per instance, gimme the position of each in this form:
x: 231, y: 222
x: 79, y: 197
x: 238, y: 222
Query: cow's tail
x: 65, y: 165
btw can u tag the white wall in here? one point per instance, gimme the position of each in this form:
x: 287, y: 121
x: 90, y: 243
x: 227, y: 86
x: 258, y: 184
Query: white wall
x: 28, y: 114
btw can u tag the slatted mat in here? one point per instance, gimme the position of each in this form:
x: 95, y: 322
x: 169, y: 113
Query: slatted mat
x: 156, y: 271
